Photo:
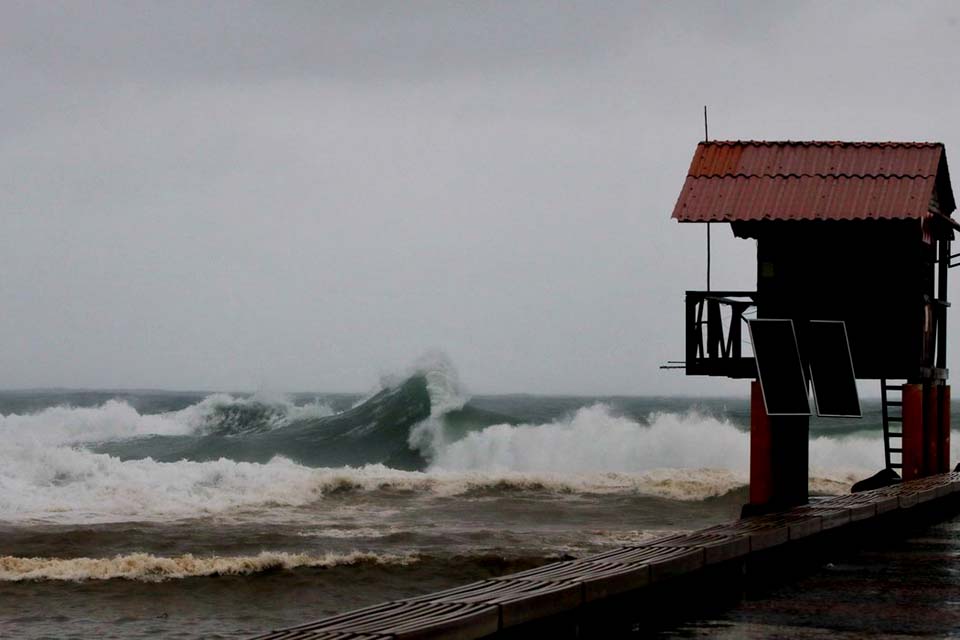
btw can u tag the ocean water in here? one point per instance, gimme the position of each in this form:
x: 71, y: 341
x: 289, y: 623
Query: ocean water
x: 185, y: 515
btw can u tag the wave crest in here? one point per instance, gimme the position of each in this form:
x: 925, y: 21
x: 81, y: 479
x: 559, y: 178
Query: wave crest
x: 447, y: 394
x: 223, y: 414
x: 147, y: 567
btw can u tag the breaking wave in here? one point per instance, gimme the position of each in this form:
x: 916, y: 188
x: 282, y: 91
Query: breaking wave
x: 678, y: 448
x: 147, y: 567
x: 415, y: 434
x: 447, y: 395
x: 594, y: 439
x: 116, y: 420
x: 70, y: 485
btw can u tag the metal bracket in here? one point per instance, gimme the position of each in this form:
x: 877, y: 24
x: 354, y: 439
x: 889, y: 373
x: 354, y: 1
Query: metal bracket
x: 674, y: 364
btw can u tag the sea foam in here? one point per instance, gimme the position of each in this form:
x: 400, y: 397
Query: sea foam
x: 595, y: 439
x: 63, y: 485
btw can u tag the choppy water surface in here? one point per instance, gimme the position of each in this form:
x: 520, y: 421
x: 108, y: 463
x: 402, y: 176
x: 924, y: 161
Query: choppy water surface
x: 215, y: 515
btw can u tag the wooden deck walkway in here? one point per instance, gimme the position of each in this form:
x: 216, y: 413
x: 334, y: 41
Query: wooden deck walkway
x: 502, y: 604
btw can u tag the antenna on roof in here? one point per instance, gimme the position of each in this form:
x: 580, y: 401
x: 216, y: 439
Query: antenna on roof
x: 706, y: 134
x: 706, y: 138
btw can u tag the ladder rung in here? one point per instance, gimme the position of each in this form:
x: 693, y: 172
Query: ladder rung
x: 894, y: 434
x: 896, y: 465
x: 893, y: 387
x: 895, y: 450
x: 894, y: 418
x: 895, y: 403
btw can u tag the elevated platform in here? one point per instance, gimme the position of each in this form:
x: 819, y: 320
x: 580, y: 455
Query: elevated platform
x: 564, y: 594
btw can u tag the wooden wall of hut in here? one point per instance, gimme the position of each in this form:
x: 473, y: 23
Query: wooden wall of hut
x: 876, y: 275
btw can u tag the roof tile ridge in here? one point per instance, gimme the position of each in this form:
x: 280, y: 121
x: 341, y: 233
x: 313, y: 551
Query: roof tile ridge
x: 849, y: 176
x: 824, y: 143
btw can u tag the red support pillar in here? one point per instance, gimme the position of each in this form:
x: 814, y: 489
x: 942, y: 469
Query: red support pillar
x: 943, y: 429
x: 913, y: 440
x: 779, y: 456
x: 931, y: 430
x: 926, y: 430
x: 761, y: 452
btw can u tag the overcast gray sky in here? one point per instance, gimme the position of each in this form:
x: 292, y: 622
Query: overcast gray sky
x: 306, y: 195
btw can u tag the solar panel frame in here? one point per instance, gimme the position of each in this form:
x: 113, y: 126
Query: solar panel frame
x: 796, y: 346
x: 853, y: 371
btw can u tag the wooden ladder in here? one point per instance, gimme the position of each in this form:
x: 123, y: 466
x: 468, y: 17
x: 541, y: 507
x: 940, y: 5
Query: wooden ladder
x: 892, y: 436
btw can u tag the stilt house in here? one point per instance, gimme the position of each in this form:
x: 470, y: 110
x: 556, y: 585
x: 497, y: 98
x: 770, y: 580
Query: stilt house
x: 851, y: 232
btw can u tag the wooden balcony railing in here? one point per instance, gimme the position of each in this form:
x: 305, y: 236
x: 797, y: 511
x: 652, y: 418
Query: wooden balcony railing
x: 714, y: 349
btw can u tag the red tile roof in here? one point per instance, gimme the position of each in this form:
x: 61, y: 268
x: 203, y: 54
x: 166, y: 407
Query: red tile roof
x: 751, y: 180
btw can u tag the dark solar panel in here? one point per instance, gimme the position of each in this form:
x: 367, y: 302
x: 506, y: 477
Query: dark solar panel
x: 778, y: 364
x: 831, y: 369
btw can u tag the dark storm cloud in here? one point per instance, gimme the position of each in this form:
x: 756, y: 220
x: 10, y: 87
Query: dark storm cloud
x: 301, y: 195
